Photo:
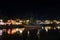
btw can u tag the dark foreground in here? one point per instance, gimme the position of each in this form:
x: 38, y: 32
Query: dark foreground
x: 33, y: 35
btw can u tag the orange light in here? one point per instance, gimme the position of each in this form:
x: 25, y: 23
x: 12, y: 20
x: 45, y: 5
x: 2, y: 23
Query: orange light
x: 13, y: 31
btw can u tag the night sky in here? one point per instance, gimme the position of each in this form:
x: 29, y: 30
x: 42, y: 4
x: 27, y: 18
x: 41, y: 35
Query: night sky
x: 38, y: 11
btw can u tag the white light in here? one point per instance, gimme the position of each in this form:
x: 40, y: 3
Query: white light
x: 20, y: 21
x: 28, y: 32
x: 21, y: 31
x: 57, y: 22
x: 1, y: 20
x: 58, y: 27
x: 38, y: 32
x: 54, y: 28
x: 17, y: 29
x: 1, y: 32
x: 1, y: 23
x: 46, y: 29
x: 27, y: 20
x: 47, y: 22
x: 42, y: 27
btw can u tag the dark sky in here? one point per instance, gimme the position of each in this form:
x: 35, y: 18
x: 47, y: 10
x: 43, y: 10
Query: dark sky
x: 39, y: 11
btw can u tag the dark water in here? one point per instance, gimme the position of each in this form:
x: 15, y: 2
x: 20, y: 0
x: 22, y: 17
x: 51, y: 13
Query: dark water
x: 43, y: 35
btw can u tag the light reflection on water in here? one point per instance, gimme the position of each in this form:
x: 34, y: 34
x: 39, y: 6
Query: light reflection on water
x: 35, y: 34
x: 28, y: 33
x: 38, y: 33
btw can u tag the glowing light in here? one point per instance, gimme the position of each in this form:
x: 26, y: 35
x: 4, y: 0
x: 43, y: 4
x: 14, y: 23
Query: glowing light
x: 38, y: 32
x: 27, y: 20
x: 54, y: 28
x: 21, y: 30
x: 57, y: 22
x: 2, y: 23
x: 46, y: 29
x: 1, y: 32
x: 18, y: 23
x: 51, y: 22
x: 17, y: 29
x: 8, y: 31
x: 1, y: 20
x: 13, y: 22
x: 28, y: 32
x: 54, y: 20
x: 58, y: 27
x: 13, y: 31
x: 49, y: 27
x: 47, y: 22
x: 42, y: 27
